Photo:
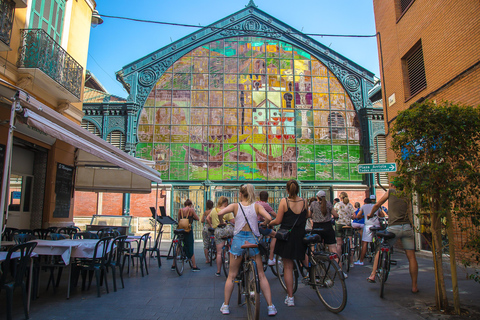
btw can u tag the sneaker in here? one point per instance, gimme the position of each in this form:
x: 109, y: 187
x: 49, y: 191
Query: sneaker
x: 272, y: 310
x: 217, y: 274
x: 358, y: 263
x: 351, y: 265
x: 172, y: 268
x: 195, y: 269
x: 225, y: 309
x: 345, y: 275
x: 289, y: 301
x: 271, y: 262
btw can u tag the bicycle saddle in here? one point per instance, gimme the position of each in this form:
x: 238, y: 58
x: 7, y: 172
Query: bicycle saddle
x: 311, y: 238
x: 248, y: 245
x: 179, y: 231
x: 375, y: 229
x: 211, y: 229
x: 314, y: 231
x: 385, y: 234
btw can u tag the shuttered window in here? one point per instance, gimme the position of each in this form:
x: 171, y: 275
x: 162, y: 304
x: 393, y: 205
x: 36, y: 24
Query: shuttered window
x: 48, y: 15
x: 117, y: 138
x: 415, y: 72
x: 404, y: 4
x: 91, y: 128
x: 380, y: 156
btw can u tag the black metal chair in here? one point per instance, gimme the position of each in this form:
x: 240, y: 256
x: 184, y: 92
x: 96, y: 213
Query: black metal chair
x: 85, y: 235
x: 23, y: 238
x: 115, y: 260
x: 8, y: 234
x: 97, y: 265
x: 23, y: 231
x: 53, y: 263
x: 53, y: 229
x: 108, y: 232
x: 13, y: 274
x: 156, y: 248
x: 41, y: 233
x: 140, y: 254
x: 68, y: 231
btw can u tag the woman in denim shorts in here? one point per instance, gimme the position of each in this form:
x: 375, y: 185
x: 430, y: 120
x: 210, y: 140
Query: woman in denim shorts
x: 246, y: 214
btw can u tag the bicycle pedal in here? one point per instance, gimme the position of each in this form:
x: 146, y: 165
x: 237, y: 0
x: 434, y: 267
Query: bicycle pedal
x: 393, y: 262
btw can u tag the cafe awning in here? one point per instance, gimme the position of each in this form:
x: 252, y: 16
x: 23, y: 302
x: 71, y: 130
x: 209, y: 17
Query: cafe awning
x: 101, y: 167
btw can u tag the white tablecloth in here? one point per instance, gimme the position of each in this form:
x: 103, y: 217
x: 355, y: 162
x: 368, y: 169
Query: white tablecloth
x: 68, y: 248
x: 15, y: 255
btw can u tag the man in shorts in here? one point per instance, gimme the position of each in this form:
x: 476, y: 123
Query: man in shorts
x: 399, y: 223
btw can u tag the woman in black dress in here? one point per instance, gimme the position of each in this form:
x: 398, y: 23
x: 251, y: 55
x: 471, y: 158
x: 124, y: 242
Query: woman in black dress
x: 292, y: 214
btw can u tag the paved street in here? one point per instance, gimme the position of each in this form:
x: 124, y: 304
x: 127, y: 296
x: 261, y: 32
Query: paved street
x: 199, y: 295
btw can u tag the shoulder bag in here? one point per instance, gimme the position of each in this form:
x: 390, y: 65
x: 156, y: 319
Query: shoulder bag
x: 184, y: 223
x: 262, y: 246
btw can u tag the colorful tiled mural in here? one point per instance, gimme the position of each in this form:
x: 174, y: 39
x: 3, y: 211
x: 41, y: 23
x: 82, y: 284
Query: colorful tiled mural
x: 250, y: 108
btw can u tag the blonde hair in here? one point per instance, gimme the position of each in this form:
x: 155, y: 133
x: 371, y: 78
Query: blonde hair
x: 221, y: 201
x: 344, y: 197
x: 248, y: 192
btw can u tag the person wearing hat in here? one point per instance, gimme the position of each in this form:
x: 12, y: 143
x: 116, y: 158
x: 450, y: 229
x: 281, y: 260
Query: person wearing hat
x: 322, y: 212
x: 399, y: 223
x: 371, y: 220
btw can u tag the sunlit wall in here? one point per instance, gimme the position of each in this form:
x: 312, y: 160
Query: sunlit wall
x: 249, y: 108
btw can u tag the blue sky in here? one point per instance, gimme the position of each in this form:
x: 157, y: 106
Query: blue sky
x: 116, y: 43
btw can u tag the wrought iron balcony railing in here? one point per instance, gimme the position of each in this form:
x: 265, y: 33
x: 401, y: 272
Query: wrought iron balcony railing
x: 7, y: 8
x: 39, y: 50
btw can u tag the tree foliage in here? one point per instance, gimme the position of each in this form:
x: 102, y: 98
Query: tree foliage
x: 437, y: 149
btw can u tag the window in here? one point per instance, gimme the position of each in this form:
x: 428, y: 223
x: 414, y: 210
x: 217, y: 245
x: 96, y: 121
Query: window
x: 20, y: 193
x: 337, y: 125
x: 91, y: 128
x: 48, y: 15
x: 401, y: 7
x: 380, y: 156
x: 117, y: 138
x: 414, y: 71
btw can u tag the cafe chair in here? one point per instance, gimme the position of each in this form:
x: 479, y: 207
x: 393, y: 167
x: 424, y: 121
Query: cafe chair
x: 8, y: 234
x: 85, y: 235
x: 54, y: 263
x: 23, y: 231
x: 53, y: 229
x: 156, y: 248
x: 115, y: 260
x: 13, y: 274
x: 57, y: 236
x: 23, y: 238
x: 140, y: 254
x: 108, y: 232
x: 97, y: 265
x: 41, y: 233
x: 68, y: 231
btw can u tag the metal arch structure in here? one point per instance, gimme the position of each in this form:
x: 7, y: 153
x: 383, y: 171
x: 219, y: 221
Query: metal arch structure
x: 139, y: 77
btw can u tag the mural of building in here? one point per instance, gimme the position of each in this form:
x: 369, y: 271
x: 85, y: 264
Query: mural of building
x: 249, y: 99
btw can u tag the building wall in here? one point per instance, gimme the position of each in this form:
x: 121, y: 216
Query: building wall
x: 450, y: 35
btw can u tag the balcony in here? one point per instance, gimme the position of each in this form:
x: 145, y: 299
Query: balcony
x: 7, y: 9
x: 51, y: 67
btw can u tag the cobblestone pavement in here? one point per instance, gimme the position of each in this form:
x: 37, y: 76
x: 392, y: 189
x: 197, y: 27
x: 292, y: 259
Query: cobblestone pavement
x: 198, y: 295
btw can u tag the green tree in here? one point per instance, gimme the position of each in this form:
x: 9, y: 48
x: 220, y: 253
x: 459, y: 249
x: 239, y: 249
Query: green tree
x: 437, y: 147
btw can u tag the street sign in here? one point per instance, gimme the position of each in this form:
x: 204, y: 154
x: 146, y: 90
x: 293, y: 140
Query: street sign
x: 377, y: 167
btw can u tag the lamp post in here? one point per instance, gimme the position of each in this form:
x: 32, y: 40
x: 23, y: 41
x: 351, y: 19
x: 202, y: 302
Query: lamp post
x: 96, y: 19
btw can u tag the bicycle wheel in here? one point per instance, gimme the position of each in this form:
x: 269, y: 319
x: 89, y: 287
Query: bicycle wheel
x: 179, y: 258
x: 252, y: 291
x: 225, y: 260
x: 357, y: 243
x: 280, y: 273
x: 264, y: 261
x: 383, y: 271
x: 210, y: 253
x: 329, y: 284
x: 347, y: 255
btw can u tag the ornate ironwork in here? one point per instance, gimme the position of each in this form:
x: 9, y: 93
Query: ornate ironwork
x: 7, y: 8
x: 39, y: 50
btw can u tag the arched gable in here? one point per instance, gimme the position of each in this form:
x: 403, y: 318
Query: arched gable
x: 140, y: 76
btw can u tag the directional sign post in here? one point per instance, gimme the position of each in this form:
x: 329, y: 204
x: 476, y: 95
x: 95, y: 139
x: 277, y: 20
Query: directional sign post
x: 377, y: 167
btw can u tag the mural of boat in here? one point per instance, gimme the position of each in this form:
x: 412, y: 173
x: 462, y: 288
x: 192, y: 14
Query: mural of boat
x: 274, y: 166
x: 203, y: 158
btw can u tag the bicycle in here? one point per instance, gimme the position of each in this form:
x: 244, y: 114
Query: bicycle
x: 385, y: 261
x: 346, y: 257
x: 226, y: 255
x: 249, y: 283
x: 212, y: 248
x: 179, y: 254
x: 357, y: 244
x: 323, y: 274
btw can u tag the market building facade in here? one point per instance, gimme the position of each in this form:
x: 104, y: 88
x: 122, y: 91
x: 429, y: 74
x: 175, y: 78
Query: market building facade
x: 247, y: 99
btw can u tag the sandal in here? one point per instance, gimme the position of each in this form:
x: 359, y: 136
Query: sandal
x: 371, y: 281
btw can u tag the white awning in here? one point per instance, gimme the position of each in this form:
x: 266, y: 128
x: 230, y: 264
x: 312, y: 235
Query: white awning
x: 105, y: 168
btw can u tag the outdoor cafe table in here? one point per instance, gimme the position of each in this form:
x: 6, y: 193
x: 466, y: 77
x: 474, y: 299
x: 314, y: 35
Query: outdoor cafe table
x: 67, y: 249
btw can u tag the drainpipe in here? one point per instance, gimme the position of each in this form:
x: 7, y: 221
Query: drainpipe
x: 7, y: 167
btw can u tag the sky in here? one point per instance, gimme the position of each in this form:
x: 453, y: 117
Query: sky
x: 116, y: 42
